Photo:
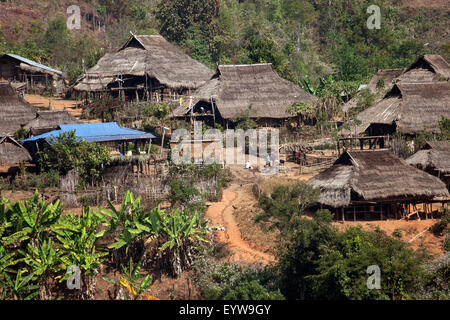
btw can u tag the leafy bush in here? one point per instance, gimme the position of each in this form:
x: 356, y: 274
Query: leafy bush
x: 285, y: 206
x: 319, y: 262
x: 65, y: 152
x: 223, y: 281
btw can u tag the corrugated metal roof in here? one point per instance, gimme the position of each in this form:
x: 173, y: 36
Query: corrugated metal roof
x: 33, y: 63
x: 99, y: 132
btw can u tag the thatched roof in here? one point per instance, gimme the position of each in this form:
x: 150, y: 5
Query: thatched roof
x: 149, y: 55
x: 254, y: 89
x: 374, y: 175
x: 12, y: 152
x: 411, y: 107
x: 49, y: 120
x: 387, y: 76
x: 429, y: 67
x: 14, y: 111
x: 434, y: 155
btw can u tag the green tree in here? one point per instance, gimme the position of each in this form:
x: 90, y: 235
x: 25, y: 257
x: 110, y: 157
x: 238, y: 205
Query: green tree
x: 66, y: 152
x: 285, y: 206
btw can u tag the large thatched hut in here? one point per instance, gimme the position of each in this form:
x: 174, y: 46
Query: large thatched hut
x: 14, y: 110
x: 146, y: 67
x: 237, y: 91
x: 12, y: 152
x: 375, y: 184
x: 434, y: 158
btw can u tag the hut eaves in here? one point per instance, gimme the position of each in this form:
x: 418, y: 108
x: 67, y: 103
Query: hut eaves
x: 253, y: 89
x: 374, y: 175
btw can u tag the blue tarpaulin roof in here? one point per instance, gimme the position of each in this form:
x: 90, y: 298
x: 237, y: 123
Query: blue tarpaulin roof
x: 109, y: 131
x: 33, y: 63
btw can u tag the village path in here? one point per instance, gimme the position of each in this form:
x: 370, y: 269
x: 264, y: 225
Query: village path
x: 221, y: 214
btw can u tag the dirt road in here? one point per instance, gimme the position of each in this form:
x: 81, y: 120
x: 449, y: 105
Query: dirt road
x: 222, y: 214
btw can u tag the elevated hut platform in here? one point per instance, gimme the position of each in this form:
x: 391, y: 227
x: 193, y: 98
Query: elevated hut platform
x: 376, y: 184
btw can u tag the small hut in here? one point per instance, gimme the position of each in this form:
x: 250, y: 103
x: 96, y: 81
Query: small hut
x: 48, y: 120
x: 109, y: 134
x: 382, y: 81
x: 418, y: 99
x: 376, y: 184
x: 237, y: 91
x: 33, y: 75
x: 409, y: 108
x: 14, y: 110
x: 146, y: 67
x: 427, y: 68
x: 434, y: 158
x: 12, y: 152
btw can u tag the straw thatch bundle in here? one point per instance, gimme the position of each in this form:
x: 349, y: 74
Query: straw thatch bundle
x: 410, y: 107
x: 49, y: 120
x: 373, y: 176
x: 14, y: 111
x: 254, y: 89
x: 150, y: 55
x: 429, y: 67
x: 434, y: 156
x: 11, y: 152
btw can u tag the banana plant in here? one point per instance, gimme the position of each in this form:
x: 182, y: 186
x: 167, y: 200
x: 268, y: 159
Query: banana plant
x: 129, y: 209
x: 44, y: 262
x: 77, y: 236
x: 135, y: 222
x: 45, y: 259
x: 20, y: 288
x: 78, y: 240
x: 7, y: 260
x: 133, y: 281
x: 180, y: 230
x: 31, y: 217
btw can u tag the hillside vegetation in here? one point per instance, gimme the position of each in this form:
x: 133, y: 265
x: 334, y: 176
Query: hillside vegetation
x: 305, y: 40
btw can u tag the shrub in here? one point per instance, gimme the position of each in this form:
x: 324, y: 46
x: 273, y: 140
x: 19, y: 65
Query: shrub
x: 65, y: 153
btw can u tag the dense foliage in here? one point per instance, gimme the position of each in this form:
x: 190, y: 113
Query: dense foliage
x: 317, y: 261
x: 299, y: 37
x: 39, y: 245
x: 66, y: 152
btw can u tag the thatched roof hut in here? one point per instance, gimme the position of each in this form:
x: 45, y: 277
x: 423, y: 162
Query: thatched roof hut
x: 12, y: 152
x: 34, y: 75
x: 409, y: 108
x: 429, y: 67
x: 145, y: 62
x: 238, y: 90
x: 14, y: 111
x: 374, y: 176
x: 434, y: 156
x: 418, y: 98
x: 48, y: 120
x: 382, y: 81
